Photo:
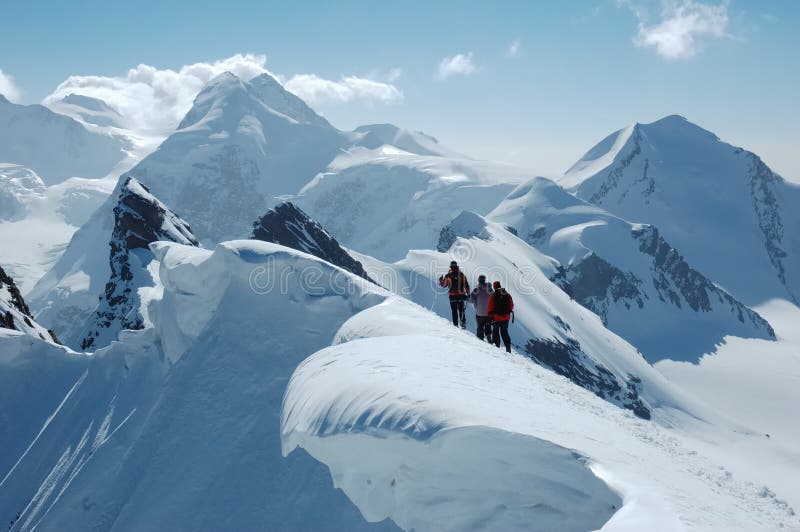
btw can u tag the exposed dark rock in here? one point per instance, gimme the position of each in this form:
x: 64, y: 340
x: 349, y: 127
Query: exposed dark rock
x: 12, y: 302
x: 139, y: 220
x: 567, y: 359
x: 675, y: 280
x: 765, y: 205
x: 289, y: 226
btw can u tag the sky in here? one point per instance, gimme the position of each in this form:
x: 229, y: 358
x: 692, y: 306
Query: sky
x: 532, y: 83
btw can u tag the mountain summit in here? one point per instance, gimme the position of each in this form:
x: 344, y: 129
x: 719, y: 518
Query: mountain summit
x: 732, y: 217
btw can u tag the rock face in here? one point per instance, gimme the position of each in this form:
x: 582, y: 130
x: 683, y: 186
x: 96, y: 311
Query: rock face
x: 641, y: 286
x: 139, y: 220
x: 15, y: 314
x: 731, y: 217
x: 291, y: 227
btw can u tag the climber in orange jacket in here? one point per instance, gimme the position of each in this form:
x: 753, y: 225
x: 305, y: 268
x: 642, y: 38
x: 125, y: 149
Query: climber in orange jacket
x: 501, y: 306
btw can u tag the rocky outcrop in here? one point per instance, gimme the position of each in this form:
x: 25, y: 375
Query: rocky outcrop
x: 567, y: 359
x: 15, y: 314
x: 289, y: 226
x: 139, y: 220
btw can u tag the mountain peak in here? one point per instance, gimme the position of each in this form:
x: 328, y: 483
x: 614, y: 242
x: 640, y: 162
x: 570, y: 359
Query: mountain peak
x: 678, y: 127
x: 277, y: 98
x: 289, y: 226
x: 139, y: 220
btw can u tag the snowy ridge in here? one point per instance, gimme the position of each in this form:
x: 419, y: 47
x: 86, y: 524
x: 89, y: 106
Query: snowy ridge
x: 139, y: 220
x: 550, y: 328
x: 721, y: 206
x: 627, y: 274
x: 439, y: 431
x: 15, y: 314
x: 88, y: 110
x: 374, y: 136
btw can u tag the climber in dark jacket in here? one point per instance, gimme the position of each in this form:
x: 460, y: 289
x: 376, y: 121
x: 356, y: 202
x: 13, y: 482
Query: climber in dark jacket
x: 480, y: 300
x: 458, y: 291
x: 501, y: 305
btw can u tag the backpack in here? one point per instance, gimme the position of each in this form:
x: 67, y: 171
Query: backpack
x: 502, y: 302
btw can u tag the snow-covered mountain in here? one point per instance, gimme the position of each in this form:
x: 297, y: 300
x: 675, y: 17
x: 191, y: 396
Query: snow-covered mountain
x: 374, y: 136
x: 628, y: 274
x: 385, y: 201
x: 15, y: 314
x: 234, y: 152
x: 55, y: 146
x: 140, y: 219
x: 731, y: 217
x: 182, y: 425
x: 289, y: 226
x: 241, y: 148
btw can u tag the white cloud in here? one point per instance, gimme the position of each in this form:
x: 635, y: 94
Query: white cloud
x: 682, y: 24
x: 156, y: 99
x: 459, y: 64
x: 316, y: 90
x: 8, y: 88
x: 514, y: 48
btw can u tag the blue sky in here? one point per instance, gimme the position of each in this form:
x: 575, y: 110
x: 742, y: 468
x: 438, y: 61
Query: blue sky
x: 579, y: 70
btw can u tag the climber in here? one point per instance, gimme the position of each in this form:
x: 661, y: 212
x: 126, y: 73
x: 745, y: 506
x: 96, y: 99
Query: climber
x: 500, y: 310
x: 458, y: 286
x: 480, y: 300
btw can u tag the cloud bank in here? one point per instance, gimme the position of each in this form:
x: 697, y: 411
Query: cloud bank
x: 458, y: 65
x: 155, y: 100
x: 319, y: 91
x: 8, y: 88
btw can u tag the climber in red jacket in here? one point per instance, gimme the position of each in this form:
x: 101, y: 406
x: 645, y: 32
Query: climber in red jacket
x: 458, y: 291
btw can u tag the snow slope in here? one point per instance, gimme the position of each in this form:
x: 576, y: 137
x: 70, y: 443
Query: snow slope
x: 731, y: 217
x: 88, y: 110
x: 40, y: 220
x: 385, y: 201
x: 642, y: 287
x: 176, y: 427
x: 438, y: 431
